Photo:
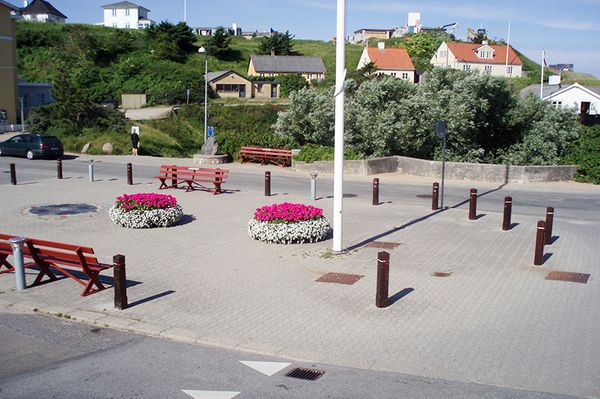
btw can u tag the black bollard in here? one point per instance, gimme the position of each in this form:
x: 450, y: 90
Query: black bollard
x: 507, y: 213
x: 376, y: 191
x: 59, y: 173
x: 540, y: 237
x: 120, y: 282
x: 129, y: 174
x: 13, y: 174
x: 473, y: 204
x: 549, y: 223
x: 267, y: 184
x: 383, y: 279
x: 435, y: 197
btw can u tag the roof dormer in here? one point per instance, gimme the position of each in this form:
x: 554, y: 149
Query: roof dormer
x: 485, y: 52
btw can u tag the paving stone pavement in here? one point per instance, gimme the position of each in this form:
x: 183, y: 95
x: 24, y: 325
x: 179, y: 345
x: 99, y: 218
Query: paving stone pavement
x: 494, y: 320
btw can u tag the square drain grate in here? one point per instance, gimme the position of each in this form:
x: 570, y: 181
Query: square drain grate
x: 441, y: 274
x: 382, y: 244
x: 424, y: 196
x: 305, y: 374
x: 339, y: 278
x: 569, y: 276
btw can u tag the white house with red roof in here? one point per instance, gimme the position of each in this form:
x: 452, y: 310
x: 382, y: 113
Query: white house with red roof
x: 486, y: 58
x: 389, y: 61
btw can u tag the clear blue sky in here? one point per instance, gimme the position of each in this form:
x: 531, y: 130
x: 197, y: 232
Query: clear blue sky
x: 569, y: 30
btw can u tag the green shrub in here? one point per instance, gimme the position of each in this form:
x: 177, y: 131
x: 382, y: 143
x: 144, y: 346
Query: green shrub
x: 585, y: 153
x: 314, y: 152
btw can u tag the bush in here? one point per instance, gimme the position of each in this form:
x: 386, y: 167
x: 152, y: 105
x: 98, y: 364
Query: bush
x: 314, y: 152
x: 585, y: 153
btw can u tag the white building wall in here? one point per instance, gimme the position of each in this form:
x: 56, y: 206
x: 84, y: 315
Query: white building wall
x: 121, y: 20
x: 364, y: 59
x: 573, y: 98
x: 43, y: 18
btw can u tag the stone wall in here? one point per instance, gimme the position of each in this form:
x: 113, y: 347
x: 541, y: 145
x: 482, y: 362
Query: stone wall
x: 454, y: 170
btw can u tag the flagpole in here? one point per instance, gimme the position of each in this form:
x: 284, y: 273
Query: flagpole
x: 338, y: 164
x: 185, y: 11
x: 507, y: 47
x: 542, y: 79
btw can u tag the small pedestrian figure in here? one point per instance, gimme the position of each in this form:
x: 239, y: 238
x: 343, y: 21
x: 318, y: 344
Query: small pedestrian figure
x: 135, y: 139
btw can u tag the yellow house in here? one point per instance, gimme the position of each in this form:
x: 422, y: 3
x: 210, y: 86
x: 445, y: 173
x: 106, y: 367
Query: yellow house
x: 8, y: 64
x: 227, y: 84
x: 269, y: 66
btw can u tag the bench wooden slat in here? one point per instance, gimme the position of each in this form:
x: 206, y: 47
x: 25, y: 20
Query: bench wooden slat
x: 275, y: 155
x: 191, y: 176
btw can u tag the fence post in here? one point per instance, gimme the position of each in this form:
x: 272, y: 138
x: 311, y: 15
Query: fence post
x: 120, y: 282
x: 129, y: 174
x: 507, y: 213
x: 549, y: 223
x: 375, y: 191
x: 540, y: 237
x: 473, y: 204
x: 59, y: 171
x: 13, y: 174
x: 383, y: 278
x: 17, y: 249
x: 267, y: 184
x: 435, y: 196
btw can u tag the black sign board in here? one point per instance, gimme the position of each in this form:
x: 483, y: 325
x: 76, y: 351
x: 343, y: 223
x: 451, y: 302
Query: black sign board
x: 3, y: 115
x: 440, y: 127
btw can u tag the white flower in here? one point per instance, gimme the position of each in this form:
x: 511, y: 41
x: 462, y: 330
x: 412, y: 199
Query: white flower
x: 289, y: 233
x: 142, y: 219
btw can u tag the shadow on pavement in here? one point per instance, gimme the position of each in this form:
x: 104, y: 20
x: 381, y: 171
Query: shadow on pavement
x: 391, y: 231
x: 480, y: 195
x: 399, y: 295
x: 150, y: 298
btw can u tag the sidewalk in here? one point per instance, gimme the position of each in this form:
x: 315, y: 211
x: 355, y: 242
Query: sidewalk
x: 495, y: 320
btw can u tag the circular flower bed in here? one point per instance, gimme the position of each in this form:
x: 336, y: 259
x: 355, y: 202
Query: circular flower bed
x: 288, y: 224
x: 145, y: 210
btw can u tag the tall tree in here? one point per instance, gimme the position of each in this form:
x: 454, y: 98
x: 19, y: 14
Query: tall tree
x: 171, y: 42
x: 277, y: 44
x: 218, y: 43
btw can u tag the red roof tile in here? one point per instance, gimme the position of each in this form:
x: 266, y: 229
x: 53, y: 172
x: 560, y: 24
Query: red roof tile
x: 467, y: 52
x: 391, y: 58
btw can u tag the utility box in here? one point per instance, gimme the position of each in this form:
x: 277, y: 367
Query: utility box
x: 133, y: 101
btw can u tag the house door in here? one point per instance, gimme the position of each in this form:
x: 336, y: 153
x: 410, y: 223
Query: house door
x: 242, y: 91
x: 585, y: 107
x: 273, y: 91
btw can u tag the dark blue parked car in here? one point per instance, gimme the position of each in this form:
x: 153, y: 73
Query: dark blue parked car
x: 32, y: 146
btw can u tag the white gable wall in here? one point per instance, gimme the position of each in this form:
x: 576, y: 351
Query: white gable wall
x: 121, y: 20
x: 573, y: 97
x: 364, y: 59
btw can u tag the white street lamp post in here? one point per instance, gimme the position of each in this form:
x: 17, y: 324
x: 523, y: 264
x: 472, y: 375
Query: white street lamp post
x: 338, y: 168
x: 205, y: 51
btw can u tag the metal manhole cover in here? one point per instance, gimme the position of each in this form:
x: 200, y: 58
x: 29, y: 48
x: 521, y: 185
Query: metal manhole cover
x: 441, y: 274
x: 424, y: 196
x: 382, y: 244
x: 305, y: 374
x: 339, y: 278
x: 63, y: 209
x: 569, y: 276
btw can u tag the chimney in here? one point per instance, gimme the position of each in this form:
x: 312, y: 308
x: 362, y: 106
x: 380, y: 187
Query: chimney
x: 485, y: 42
x: 25, y: 3
x: 381, y: 45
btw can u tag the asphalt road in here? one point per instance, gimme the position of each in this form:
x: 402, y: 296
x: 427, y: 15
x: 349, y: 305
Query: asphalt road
x: 48, y: 357
x: 572, y: 204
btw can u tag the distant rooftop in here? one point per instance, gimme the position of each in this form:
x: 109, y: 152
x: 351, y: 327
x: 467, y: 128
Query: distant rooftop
x: 287, y: 64
x: 123, y: 5
x: 41, y: 7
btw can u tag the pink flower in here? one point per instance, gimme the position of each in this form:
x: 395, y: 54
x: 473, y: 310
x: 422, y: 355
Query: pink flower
x: 287, y: 212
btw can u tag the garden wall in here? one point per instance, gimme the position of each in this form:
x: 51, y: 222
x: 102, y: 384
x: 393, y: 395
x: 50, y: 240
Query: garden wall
x: 454, y: 170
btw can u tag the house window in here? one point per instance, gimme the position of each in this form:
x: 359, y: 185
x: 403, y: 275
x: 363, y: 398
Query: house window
x: 393, y: 73
x: 310, y: 76
x: 114, y: 12
x: 230, y: 88
x: 443, y: 54
x: 466, y: 67
x: 405, y: 75
x: 262, y: 75
x: 509, y: 70
x: 488, y: 69
x: 127, y: 26
x: 557, y: 104
x: 127, y: 11
x: 114, y: 25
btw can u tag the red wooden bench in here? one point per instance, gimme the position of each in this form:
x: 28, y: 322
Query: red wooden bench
x: 264, y: 155
x: 48, y: 255
x: 192, y: 176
